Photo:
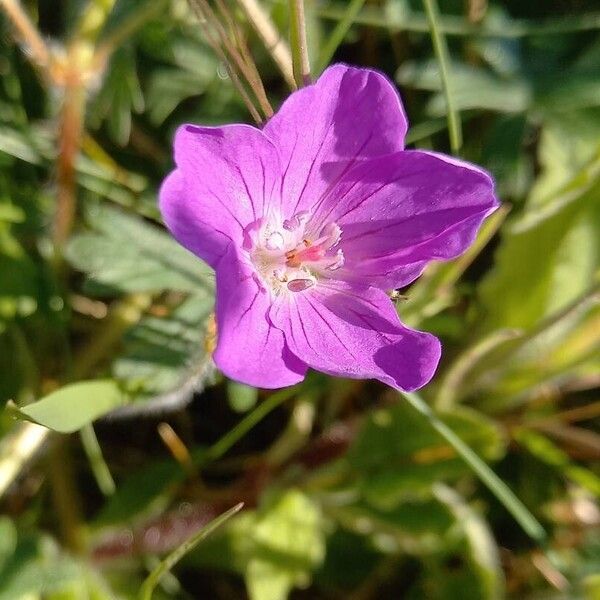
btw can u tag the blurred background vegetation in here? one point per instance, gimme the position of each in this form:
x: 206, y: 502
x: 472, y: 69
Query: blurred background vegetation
x: 349, y: 492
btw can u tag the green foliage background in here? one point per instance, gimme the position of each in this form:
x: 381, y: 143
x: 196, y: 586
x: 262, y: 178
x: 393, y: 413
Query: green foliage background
x: 349, y: 491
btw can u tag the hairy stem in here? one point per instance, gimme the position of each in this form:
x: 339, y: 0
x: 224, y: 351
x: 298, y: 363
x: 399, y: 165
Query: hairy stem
x: 70, y: 133
x: 36, y: 48
x: 299, y: 46
x: 274, y: 43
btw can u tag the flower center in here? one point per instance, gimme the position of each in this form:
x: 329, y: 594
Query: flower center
x: 289, y: 256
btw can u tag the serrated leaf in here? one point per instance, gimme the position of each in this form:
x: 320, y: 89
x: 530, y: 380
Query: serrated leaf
x: 120, y: 96
x: 163, y: 353
x: 71, y: 407
x: 128, y: 254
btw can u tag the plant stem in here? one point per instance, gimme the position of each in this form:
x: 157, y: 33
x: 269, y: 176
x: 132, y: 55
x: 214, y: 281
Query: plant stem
x: 274, y: 43
x: 441, y: 52
x: 65, y: 496
x: 212, y: 34
x: 500, y: 490
x: 70, y: 132
x: 36, y: 47
x: 220, y: 447
x: 99, y: 467
x: 298, y: 44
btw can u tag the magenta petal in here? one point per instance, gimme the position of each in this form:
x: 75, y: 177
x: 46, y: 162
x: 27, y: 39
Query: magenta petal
x: 400, y: 211
x: 225, y: 178
x: 249, y: 348
x: 323, y: 129
x: 354, y: 331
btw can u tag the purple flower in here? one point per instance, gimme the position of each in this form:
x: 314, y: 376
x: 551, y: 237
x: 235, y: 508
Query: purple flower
x: 308, y: 224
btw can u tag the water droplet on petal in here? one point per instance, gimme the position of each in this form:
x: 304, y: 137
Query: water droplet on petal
x: 275, y: 241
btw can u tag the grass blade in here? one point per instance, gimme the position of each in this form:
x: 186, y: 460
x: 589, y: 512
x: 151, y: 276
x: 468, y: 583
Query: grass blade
x: 221, y: 446
x: 441, y: 53
x: 168, y: 563
x: 500, y: 490
x: 339, y: 33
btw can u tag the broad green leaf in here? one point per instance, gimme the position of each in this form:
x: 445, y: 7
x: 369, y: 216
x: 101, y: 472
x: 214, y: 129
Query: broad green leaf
x: 568, y: 142
x: 577, y: 89
x: 414, y: 527
x: 503, y: 154
x: 482, y: 551
x: 549, y: 453
x: 398, y: 455
x: 71, y: 407
x: 549, y: 257
x: 279, y: 545
x: 128, y: 254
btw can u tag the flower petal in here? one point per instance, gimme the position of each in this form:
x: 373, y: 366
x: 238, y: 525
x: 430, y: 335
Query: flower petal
x: 354, y: 331
x: 400, y: 211
x: 323, y: 129
x: 249, y: 348
x: 225, y: 178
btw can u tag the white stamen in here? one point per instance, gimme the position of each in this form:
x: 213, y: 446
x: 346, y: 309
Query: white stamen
x: 297, y: 221
x: 299, y: 285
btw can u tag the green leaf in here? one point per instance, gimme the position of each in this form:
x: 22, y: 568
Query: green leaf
x: 399, y: 455
x: 414, y: 527
x: 195, y: 71
x: 549, y: 257
x: 71, y: 407
x: 483, y: 552
x: 279, y: 545
x: 120, y: 96
x: 168, y: 354
x: 128, y: 254
x: 493, y: 93
x: 548, y: 452
x: 542, y: 269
